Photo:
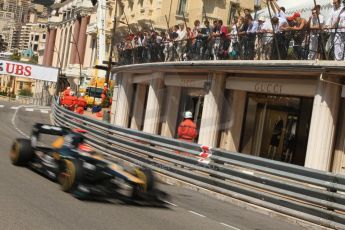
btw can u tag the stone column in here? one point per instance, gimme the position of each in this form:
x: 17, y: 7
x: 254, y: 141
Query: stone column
x: 154, y: 101
x: 211, y: 113
x: 55, y: 48
x: 82, y: 40
x: 75, y: 37
x: 46, y: 48
x: 232, y: 121
x: 339, y: 153
x: 171, y: 111
x: 124, y: 99
x: 138, y: 110
x: 322, y: 126
x: 50, y: 52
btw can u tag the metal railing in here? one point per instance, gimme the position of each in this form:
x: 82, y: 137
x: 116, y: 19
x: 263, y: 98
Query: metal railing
x: 27, y: 100
x: 308, y: 44
x: 311, y: 195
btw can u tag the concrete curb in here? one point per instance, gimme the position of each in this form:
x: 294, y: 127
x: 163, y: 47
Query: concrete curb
x: 302, y: 223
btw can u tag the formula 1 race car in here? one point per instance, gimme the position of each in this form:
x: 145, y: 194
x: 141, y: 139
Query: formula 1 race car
x: 78, y: 168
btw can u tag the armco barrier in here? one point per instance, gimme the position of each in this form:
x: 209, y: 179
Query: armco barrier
x: 311, y: 195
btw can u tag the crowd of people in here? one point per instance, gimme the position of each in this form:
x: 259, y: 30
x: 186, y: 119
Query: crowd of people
x: 279, y: 37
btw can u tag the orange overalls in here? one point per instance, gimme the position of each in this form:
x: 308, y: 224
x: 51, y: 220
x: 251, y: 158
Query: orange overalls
x: 187, y: 130
x: 69, y: 102
x: 81, y: 104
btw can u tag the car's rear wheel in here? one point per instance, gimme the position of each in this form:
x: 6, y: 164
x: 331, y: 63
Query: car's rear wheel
x: 70, y: 174
x: 145, y: 175
x: 21, y: 152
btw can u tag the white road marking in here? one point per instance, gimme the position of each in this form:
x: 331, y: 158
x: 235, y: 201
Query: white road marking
x: 44, y: 111
x: 229, y: 226
x: 170, y: 203
x: 198, y: 214
x: 29, y: 109
x: 2, y: 106
x: 14, y: 124
x: 15, y: 107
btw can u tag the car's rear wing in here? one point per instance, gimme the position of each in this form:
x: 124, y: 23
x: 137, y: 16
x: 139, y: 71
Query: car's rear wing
x: 39, y: 128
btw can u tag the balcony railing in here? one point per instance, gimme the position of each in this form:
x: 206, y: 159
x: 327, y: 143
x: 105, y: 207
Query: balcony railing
x: 287, y: 45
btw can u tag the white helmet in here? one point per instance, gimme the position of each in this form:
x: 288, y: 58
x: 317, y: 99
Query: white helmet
x: 82, y: 94
x: 188, y: 114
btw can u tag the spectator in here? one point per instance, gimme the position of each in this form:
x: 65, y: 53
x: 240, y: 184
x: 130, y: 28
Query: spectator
x: 301, y: 29
x: 246, y: 11
x: 261, y: 39
x: 332, y: 24
x: 181, y: 41
x: 339, y: 40
x: 234, y: 44
x: 316, y: 23
x: 241, y: 33
x: 249, y: 40
x: 187, y: 129
x: 206, y: 33
x: 279, y: 47
x: 279, y: 11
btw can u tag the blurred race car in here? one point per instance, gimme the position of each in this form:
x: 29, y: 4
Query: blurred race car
x: 78, y: 168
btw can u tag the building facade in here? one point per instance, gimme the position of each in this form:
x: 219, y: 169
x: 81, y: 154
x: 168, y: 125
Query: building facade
x: 265, y: 109
x: 7, y: 25
x: 72, y: 43
x: 160, y: 14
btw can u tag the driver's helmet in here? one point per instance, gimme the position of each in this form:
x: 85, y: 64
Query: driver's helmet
x: 73, y: 139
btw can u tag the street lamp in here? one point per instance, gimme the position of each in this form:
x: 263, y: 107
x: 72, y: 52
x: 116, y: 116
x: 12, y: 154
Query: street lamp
x: 257, y: 6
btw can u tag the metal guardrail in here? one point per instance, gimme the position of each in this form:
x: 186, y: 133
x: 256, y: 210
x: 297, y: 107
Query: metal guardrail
x: 311, y: 195
x: 35, y: 100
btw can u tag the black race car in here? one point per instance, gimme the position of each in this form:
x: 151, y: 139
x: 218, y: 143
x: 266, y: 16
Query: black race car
x: 78, y: 168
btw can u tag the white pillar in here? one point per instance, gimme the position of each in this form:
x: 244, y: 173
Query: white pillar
x: 124, y: 98
x: 138, y: 110
x: 232, y: 121
x: 322, y: 126
x: 171, y: 111
x: 339, y: 152
x: 154, y: 101
x: 211, y: 113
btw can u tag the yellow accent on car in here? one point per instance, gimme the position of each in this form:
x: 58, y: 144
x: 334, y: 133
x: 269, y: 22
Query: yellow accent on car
x: 58, y: 143
x: 126, y: 174
x: 143, y: 177
x: 68, y: 179
x: 14, y: 155
x: 56, y: 156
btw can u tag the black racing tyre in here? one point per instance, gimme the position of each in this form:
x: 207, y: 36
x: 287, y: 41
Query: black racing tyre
x: 21, y: 152
x: 146, y: 175
x: 70, y: 174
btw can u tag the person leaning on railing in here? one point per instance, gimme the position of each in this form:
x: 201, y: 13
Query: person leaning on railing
x: 316, y: 23
x: 300, y: 33
x: 332, y: 26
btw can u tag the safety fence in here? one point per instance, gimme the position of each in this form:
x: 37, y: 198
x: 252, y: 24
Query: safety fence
x: 307, y: 44
x: 311, y: 195
x: 33, y: 100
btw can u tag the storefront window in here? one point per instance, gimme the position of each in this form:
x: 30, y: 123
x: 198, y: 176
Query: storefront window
x: 277, y: 127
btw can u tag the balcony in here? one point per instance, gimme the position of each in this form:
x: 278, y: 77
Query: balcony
x: 91, y: 29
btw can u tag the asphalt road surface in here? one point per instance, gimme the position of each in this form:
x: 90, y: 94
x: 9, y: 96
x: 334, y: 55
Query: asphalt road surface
x: 30, y: 201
